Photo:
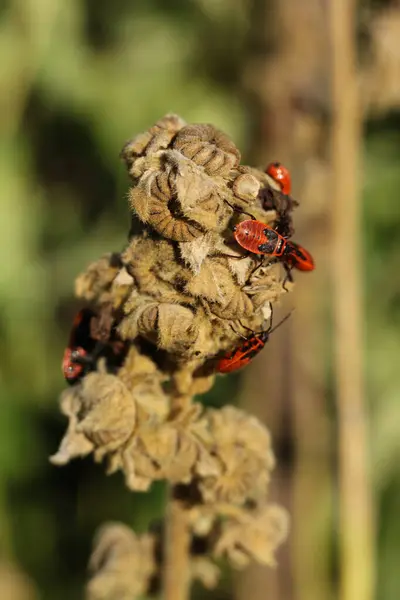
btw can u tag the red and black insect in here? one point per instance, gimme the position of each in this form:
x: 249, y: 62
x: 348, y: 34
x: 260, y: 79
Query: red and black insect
x: 243, y: 354
x: 78, y: 356
x: 259, y: 238
x: 281, y: 175
x: 262, y: 240
x: 299, y: 258
x: 84, y: 347
x: 279, y: 201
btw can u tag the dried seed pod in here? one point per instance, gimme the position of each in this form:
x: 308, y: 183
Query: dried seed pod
x: 171, y: 122
x: 193, y: 253
x: 128, y: 326
x: 170, y: 326
x: 160, y: 141
x: 122, y: 564
x: 136, y: 147
x: 158, y: 136
x: 139, y: 259
x: 158, y: 212
x: 168, y: 449
x: 108, y: 411
x: 205, y: 343
x: 156, y: 271
x: 103, y: 411
x: 239, y: 306
x: 242, y: 269
x: 74, y: 443
x: 243, y: 447
x: 199, y: 196
x: 254, y: 535
x: 146, y: 166
x: 199, y: 385
x: 176, y: 328
x: 94, y: 284
x: 267, y: 286
x: 214, y: 282
x: 208, y: 147
x: 147, y: 321
x: 246, y: 187
x: 121, y: 287
x: 141, y: 374
x: 262, y: 177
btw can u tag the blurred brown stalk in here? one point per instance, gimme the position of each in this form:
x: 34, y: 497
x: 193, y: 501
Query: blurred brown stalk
x: 285, y: 76
x: 356, y: 521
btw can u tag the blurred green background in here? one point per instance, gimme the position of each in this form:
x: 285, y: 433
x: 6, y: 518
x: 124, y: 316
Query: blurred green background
x: 77, y: 79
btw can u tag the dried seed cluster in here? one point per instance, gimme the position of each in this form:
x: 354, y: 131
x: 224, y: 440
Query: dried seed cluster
x: 178, y: 295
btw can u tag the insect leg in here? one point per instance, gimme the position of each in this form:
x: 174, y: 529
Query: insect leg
x: 289, y: 276
x: 261, y: 258
x: 241, y: 257
x: 271, y: 330
x: 271, y: 318
x: 238, y: 332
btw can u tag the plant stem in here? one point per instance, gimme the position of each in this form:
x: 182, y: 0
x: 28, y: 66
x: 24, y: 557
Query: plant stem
x: 356, y: 518
x: 176, y: 551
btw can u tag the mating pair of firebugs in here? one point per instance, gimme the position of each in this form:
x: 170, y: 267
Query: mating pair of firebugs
x: 83, y: 350
x: 262, y: 239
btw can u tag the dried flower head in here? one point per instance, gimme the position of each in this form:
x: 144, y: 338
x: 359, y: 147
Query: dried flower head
x: 242, y: 446
x: 253, y: 535
x: 208, y: 147
x: 177, y: 296
x: 122, y: 564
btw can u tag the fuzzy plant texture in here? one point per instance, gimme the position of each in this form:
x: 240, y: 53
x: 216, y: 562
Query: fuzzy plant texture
x: 179, y: 295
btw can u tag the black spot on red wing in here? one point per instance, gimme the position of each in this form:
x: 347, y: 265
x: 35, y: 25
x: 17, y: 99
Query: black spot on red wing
x: 271, y: 235
x: 267, y: 248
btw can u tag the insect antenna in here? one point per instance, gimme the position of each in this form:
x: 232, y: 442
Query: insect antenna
x: 248, y: 328
x: 288, y: 277
x: 239, y: 210
x: 255, y: 269
x: 272, y: 329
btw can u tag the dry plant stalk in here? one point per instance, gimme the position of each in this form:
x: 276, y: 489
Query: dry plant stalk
x: 166, y: 306
x: 286, y: 74
x: 356, y: 513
